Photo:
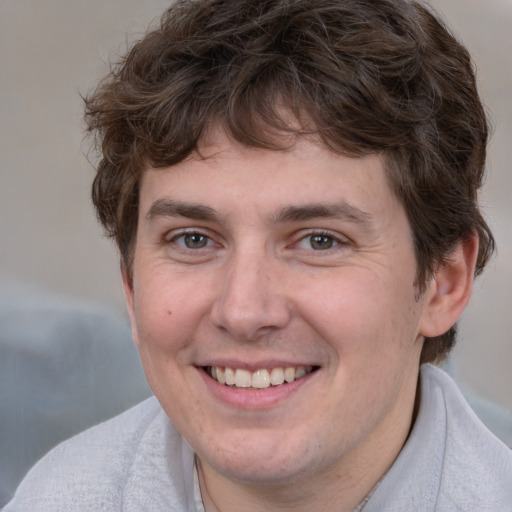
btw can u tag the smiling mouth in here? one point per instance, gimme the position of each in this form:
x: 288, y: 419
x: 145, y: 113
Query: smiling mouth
x: 260, y: 379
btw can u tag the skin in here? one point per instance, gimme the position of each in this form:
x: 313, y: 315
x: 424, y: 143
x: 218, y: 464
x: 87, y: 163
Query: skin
x: 268, y: 280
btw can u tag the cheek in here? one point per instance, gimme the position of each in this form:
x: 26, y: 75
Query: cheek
x: 168, y: 309
x: 166, y: 317
x: 358, y: 311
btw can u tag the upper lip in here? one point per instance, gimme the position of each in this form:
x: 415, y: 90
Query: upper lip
x: 255, y: 365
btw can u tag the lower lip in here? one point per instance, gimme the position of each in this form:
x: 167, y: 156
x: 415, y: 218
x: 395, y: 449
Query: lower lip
x: 244, y: 398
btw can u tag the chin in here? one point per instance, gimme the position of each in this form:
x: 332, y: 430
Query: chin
x: 262, y: 464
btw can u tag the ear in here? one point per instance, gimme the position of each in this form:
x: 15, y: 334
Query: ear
x: 129, y: 298
x: 450, y: 289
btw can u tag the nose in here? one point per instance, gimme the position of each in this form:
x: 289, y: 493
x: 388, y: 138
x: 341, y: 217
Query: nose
x: 250, y: 302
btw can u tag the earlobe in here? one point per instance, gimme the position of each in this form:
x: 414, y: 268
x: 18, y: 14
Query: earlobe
x: 450, y: 289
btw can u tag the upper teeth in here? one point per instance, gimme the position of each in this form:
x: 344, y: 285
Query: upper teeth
x: 260, y: 379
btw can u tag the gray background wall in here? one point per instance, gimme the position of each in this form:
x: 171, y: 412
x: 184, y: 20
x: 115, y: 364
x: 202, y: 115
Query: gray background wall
x: 53, y: 50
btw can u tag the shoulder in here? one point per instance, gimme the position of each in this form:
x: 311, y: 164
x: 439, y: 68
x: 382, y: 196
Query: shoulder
x: 477, y: 466
x: 451, y: 462
x: 97, y: 469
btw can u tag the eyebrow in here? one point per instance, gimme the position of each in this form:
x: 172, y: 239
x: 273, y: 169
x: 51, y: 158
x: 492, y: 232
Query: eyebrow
x: 296, y: 213
x: 340, y: 210
x: 170, y: 208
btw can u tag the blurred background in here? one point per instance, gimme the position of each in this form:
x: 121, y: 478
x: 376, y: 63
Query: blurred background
x: 54, y: 50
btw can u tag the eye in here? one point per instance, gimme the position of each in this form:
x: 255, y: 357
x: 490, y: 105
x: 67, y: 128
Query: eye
x: 193, y: 241
x: 318, y: 242
x: 321, y: 242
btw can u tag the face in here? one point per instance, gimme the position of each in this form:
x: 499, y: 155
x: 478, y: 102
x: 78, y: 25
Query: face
x: 288, y: 274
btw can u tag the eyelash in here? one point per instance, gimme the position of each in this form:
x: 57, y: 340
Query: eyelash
x: 183, y: 234
x: 336, y: 241
x: 333, y: 241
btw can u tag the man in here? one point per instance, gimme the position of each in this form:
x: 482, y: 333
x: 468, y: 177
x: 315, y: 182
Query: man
x: 292, y: 187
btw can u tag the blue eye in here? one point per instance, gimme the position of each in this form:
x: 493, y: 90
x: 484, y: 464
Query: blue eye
x: 193, y: 240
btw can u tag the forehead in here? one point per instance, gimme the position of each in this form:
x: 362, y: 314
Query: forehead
x: 225, y: 174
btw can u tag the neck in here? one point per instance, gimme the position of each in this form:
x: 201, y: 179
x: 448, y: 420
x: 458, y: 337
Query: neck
x: 220, y: 495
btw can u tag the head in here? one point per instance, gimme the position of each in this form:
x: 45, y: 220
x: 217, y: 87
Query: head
x: 381, y: 77
x: 292, y: 183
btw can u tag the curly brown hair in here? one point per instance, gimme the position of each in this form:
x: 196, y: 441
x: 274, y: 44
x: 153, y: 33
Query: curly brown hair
x: 369, y: 76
